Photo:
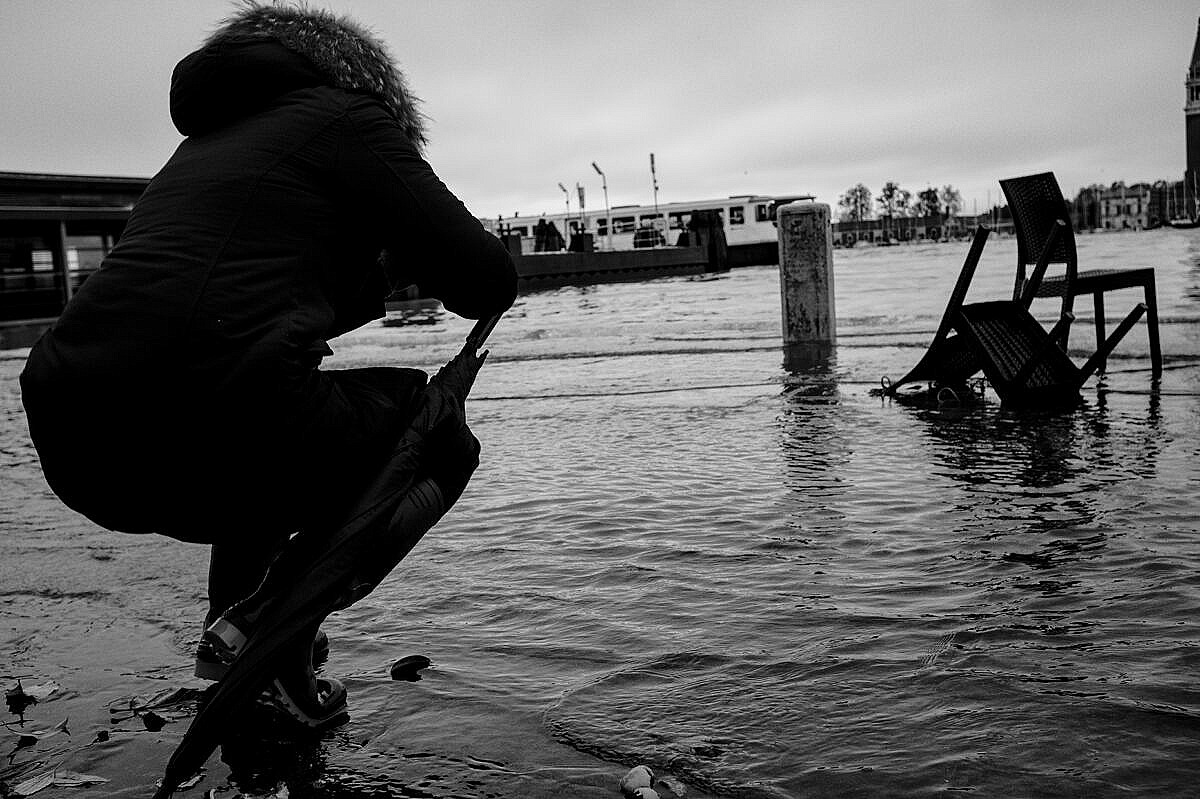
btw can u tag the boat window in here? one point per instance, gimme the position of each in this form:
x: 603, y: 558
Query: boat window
x: 762, y: 213
x: 21, y: 255
x: 679, y: 220
x: 649, y: 218
x: 602, y: 226
x: 84, y: 253
x: 737, y: 215
x: 623, y: 224
x: 28, y: 283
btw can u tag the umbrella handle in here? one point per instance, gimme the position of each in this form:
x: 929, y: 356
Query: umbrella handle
x: 481, y: 331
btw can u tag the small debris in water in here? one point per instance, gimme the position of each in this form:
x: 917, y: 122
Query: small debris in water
x: 641, y: 783
x: 17, y: 700
x: 153, y: 721
x: 62, y: 779
x: 20, y: 698
x: 192, y: 782
x: 34, y: 784
x: 27, y: 738
x: 407, y: 668
x: 639, y: 777
x: 174, y: 703
x: 672, y: 786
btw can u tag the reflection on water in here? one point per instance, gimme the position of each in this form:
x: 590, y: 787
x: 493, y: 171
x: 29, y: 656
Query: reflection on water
x: 985, y: 448
x: 1004, y: 599
x: 262, y: 766
x: 810, y: 444
x: 1193, y: 272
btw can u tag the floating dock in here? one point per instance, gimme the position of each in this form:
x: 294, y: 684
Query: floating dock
x: 550, y: 270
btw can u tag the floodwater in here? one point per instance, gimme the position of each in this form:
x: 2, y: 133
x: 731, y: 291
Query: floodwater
x: 758, y: 582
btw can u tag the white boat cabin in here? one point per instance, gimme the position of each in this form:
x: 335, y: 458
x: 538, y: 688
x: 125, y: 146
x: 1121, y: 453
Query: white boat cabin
x: 747, y: 219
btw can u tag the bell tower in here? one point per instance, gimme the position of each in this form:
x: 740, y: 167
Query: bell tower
x: 1192, y: 116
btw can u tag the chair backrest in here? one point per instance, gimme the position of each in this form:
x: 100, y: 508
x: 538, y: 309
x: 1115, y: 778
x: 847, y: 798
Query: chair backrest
x: 1035, y: 202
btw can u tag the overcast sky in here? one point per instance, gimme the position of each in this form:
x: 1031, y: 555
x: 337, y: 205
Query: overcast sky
x: 732, y: 97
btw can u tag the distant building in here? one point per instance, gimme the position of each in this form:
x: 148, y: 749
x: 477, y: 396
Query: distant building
x: 1139, y: 206
x: 1124, y: 207
x: 1191, y: 178
x: 909, y: 229
x: 1127, y: 207
x: 54, y: 230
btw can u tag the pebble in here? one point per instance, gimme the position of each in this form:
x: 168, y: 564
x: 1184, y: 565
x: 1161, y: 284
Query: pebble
x: 638, y: 778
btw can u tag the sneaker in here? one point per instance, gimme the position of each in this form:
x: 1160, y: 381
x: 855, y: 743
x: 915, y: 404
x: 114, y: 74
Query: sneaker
x: 222, y: 642
x: 313, y: 704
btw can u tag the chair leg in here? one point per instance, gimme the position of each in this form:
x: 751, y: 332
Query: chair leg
x: 1152, y: 329
x: 1111, y: 342
x: 1098, y: 304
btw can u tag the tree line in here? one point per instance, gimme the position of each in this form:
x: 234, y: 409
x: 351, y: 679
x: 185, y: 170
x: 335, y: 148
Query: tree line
x: 857, y: 204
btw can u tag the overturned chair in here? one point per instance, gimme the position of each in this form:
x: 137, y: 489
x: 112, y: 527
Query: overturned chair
x: 1025, y: 364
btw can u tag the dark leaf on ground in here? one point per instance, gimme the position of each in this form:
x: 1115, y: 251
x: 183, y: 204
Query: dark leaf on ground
x: 17, y: 700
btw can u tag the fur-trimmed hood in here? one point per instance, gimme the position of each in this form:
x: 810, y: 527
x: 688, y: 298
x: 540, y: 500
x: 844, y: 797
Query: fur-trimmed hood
x: 233, y: 71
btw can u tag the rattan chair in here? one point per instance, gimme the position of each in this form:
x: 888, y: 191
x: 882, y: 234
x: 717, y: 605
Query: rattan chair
x: 1025, y: 364
x: 1036, y: 203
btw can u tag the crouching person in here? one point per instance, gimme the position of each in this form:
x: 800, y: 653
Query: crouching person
x: 180, y: 392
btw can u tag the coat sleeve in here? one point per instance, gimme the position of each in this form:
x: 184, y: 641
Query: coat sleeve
x: 430, y: 237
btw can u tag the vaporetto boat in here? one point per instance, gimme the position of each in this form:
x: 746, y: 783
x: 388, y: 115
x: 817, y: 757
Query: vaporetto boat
x: 747, y: 219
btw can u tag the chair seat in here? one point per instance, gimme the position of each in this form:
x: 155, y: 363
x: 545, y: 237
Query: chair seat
x: 1009, y: 337
x: 1092, y: 280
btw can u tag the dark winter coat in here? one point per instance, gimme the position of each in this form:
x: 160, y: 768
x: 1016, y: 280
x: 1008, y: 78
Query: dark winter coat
x: 192, y: 354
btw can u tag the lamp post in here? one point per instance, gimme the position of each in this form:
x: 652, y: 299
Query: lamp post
x: 566, y: 232
x: 607, y: 212
x: 567, y: 194
x: 582, y: 213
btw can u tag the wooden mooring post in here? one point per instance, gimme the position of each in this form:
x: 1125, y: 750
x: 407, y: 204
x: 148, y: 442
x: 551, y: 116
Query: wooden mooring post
x: 806, y: 284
